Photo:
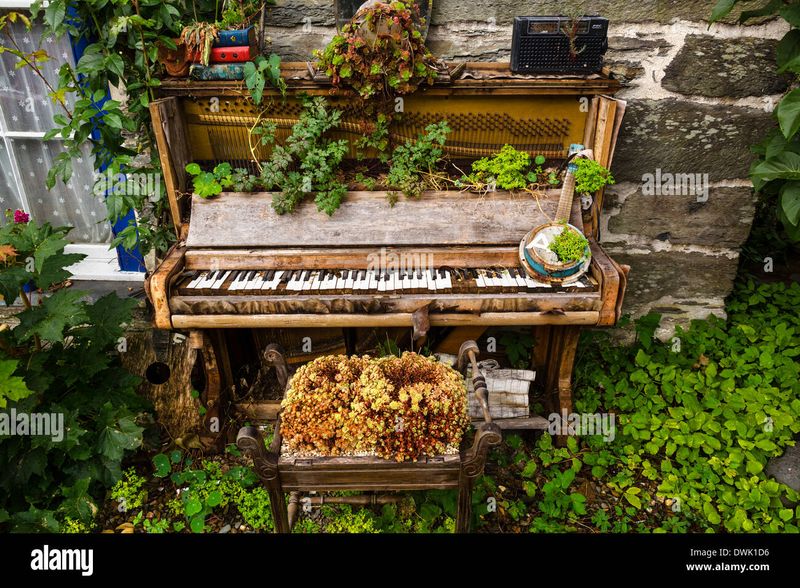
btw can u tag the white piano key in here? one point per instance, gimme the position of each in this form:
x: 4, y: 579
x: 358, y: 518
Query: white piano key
x: 209, y: 280
x: 196, y: 280
x: 314, y: 282
x: 405, y: 280
x: 506, y: 280
x: 431, y: 276
x: 373, y: 281
x: 275, y: 281
x: 422, y: 280
x: 383, y: 279
x: 447, y: 281
x: 481, y: 279
x: 306, y: 287
x: 349, y: 279
x: 520, y: 280
x: 218, y: 283
x: 257, y: 283
x: 392, y: 284
x: 362, y: 281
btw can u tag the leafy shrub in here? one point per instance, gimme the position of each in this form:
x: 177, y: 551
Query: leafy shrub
x: 380, y: 52
x: 702, y: 414
x: 62, y: 352
x: 129, y: 491
x: 590, y: 176
x: 413, y: 163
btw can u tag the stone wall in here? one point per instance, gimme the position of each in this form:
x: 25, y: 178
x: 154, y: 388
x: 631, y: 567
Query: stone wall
x: 698, y: 97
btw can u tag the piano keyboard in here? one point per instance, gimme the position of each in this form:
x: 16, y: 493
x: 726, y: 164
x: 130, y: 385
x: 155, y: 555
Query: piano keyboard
x: 311, y: 281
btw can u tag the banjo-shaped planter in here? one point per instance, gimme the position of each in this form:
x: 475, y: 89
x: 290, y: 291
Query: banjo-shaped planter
x: 536, y: 256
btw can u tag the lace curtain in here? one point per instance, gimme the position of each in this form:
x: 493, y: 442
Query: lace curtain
x: 26, y: 112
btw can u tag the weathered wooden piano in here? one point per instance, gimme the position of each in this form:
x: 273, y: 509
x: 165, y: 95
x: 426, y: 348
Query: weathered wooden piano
x: 239, y: 268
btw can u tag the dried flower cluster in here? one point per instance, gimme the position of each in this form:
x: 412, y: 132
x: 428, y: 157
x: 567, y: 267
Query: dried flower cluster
x: 395, y: 407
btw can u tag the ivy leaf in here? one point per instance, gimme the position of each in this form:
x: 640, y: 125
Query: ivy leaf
x: 722, y: 9
x: 50, y: 319
x: 193, y: 506
x: 785, y: 166
x: 161, y: 463
x: 631, y: 496
x: 790, y: 201
x: 12, y: 388
x: 787, y: 53
x: 788, y: 113
x: 711, y: 513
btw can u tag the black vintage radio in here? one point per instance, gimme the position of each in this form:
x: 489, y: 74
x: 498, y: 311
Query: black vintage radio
x: 558, y: 44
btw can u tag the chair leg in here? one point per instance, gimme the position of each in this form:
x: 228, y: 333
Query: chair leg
x: 277, y: 500
x: 464, y: 514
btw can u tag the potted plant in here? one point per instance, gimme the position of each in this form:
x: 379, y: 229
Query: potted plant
x: 380, y: 52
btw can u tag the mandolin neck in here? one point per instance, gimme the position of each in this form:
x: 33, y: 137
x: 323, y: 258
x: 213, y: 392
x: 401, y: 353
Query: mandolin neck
x: 567, y: 195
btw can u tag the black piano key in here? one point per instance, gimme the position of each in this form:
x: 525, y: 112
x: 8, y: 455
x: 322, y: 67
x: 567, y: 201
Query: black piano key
x: 304, y: 276
x: 269, y: 276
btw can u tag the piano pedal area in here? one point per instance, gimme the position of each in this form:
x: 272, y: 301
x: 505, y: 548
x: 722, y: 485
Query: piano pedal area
x: 235, y: 384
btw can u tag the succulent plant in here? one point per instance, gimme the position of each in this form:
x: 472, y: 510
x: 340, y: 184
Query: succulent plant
x: 399, y: 408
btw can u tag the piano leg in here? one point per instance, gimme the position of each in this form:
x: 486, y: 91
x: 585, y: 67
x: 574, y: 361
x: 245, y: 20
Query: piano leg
x: 214, y: 425
x: 554, y: 360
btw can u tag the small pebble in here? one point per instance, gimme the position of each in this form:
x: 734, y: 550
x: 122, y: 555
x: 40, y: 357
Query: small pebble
x: 225, y: 529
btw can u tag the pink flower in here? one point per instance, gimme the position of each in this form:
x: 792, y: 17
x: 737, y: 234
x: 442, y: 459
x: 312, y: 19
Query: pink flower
x: 21, y: 217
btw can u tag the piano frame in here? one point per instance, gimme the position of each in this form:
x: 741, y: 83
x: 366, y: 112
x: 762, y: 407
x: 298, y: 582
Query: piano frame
x: 586, y: 100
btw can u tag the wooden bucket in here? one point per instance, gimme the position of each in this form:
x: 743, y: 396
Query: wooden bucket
x: 538, y: 266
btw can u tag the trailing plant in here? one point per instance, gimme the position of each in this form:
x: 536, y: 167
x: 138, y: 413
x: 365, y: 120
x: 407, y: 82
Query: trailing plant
x: 776, y: 169
x: 55, y: 360
x: 376, y: 139
x: 569, y: 245
x: 590, y: 176
x: 700, y: 416
x: 413, y: 164
x: 308, y: 162
x: 380, y: 52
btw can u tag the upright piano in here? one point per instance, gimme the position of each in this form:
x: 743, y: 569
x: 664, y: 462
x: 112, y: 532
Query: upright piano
x: 448, y: 260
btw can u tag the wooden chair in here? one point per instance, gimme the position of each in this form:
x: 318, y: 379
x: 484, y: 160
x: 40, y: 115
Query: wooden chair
x: 282, y: 474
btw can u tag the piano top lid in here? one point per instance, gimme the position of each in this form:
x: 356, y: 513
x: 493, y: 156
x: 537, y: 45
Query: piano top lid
x: 247, y: 220
x: 468, y: 76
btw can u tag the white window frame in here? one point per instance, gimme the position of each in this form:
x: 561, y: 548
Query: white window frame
x: 102, y: 262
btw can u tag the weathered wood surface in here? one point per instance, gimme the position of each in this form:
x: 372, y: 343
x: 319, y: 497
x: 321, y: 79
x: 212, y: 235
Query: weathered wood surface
x: 174, y: 152
x: 159, y: 285
x: 476, y: 76
x: 287, y: 321
x: 366, y: 219
x: 404, y: 303
x: 350, y: 257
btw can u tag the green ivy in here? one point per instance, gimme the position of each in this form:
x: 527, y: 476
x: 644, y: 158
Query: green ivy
x: 776, y: 170
x: 413, y: 164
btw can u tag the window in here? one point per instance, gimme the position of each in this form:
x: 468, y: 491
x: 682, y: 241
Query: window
x: 26, y: 113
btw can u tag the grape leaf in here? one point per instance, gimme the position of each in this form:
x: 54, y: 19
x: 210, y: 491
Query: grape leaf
x: 12, y: 388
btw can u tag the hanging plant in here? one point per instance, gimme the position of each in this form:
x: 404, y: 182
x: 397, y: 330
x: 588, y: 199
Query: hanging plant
x: 381, y: 51
x: 198, y: 38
